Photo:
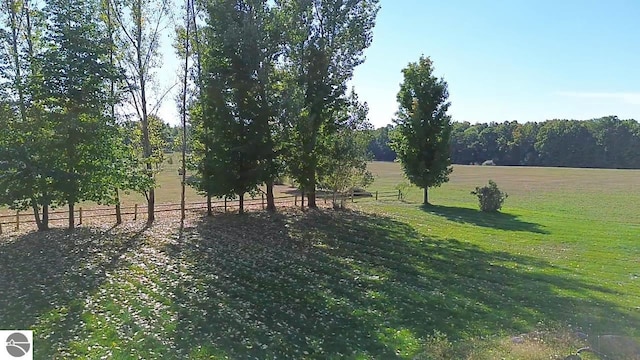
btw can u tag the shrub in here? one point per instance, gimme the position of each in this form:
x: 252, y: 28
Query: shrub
x: 490, y: 197
x: 437, y: 347
x: 404, y: 188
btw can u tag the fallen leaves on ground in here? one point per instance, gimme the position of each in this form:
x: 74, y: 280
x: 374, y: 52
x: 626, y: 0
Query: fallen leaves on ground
x: 291, y: 284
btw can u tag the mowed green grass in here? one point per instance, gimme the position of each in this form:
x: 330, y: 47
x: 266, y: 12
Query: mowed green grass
x: 386, y: 279
x: 582, y: 225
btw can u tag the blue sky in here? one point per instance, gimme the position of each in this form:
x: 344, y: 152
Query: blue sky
x: 504, y: 59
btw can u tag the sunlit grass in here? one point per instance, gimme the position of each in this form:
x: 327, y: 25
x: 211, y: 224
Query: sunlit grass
x: 391, y: 280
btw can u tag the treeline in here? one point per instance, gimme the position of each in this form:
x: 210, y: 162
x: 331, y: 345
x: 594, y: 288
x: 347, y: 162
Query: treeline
x: 607, y: 142
x: 263, y: 95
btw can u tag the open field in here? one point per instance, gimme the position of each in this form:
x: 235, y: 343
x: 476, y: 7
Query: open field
x: 167, y: 194
x: 579, y: 225
x: 388, y: 279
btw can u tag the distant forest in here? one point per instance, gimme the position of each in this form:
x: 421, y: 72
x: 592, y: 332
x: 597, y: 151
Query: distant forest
x: 607, y: 142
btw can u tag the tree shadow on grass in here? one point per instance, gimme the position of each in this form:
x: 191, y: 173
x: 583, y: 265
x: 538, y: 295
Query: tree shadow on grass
x: 45, y: 277
x: 327, y: 284
x: 315, y: 284
x: 496, y: 220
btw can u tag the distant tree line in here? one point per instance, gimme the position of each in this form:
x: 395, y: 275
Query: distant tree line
x: 379, y: 146
x: 606, y: 142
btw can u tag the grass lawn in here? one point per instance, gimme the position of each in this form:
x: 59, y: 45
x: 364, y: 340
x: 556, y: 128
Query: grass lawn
x: 387, y: 279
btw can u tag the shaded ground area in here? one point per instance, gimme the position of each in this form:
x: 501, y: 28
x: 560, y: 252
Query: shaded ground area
x: 318, y: 284
x: 495, y: 220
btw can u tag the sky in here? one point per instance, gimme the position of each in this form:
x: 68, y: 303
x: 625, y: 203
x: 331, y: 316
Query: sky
x: 525, y: 60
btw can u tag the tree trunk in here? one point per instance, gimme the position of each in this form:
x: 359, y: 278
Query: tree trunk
x: 118, y: 209
x: 146, y: 142
x: 184, y: 114
x: 311, y: 196
x: 209, y: 209
x: 426, y: 196
x: 36, y: 214
x: 183, y: 191
x: 241, y: 207
x: 13, y: 16
x: 72, y: 219
x: 151, y: 202
x: 311, y: 199
x: 271, y: 202
x: 112, y: 91
x: 45, y: 217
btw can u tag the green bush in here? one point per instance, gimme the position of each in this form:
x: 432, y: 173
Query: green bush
x: 490, y: 197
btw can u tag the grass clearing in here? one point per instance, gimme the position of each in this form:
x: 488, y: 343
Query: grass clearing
x: 389, y: 279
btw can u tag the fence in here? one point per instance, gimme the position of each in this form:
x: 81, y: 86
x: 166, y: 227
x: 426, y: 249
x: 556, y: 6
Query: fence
x: 225, y: 205
x: 21, y: 218
x: 389, y: 195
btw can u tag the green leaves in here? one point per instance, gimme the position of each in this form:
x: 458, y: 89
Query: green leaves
x: 325, y: 42
x: 423, y: 128
x: 343, y: 160
x: 490, y: 197
x: 76, y: 77
x: 234, y: 124
x: 62, y: 145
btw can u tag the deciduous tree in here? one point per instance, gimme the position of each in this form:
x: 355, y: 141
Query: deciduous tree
x: 142, y: 24
x: 326, y: 40
x: 25, y: 174
x: 75, y: 76
x: 242, y: 48
x: 423, y: 128
x: 343, y: 164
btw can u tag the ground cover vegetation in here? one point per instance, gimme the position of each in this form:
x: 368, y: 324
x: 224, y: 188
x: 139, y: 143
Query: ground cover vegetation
x: 388, y: 278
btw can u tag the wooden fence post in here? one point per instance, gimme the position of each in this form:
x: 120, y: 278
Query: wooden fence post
x: 135, y: 212
x: 225, y: 204
x: 80, y: 213
x: 17, y: 220
x: 0, y: 227
x: 295, y: 200
x: 376, y: 195
x: 262, y: 201
x: 399, y: 194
